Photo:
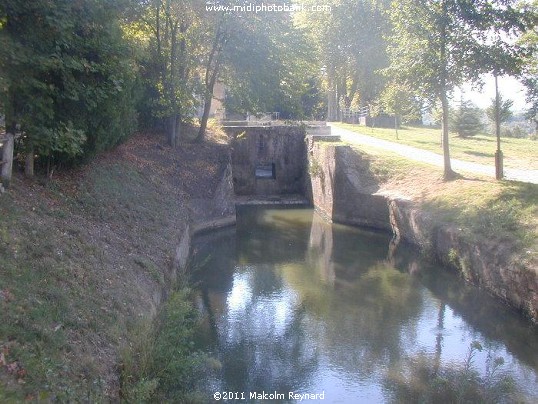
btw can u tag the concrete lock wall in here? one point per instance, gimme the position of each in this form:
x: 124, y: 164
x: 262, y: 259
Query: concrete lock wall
x: 268, y: 160
x: 345, y: 191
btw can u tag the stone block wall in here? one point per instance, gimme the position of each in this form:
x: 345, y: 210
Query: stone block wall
x: 281, y: 149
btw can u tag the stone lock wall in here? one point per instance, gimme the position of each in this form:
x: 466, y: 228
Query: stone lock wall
x: 345, y: 191
x: 340, y: 191
x: 281, y: 147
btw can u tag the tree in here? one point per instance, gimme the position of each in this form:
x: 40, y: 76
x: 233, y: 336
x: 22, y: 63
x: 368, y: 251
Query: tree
x: 213, y: 65
x: 529, y: 40
x: 350, y: 50
x: 436, y: 46
x: 500, y: 57
x: 399, y: 100
x: 169, y: 32
x: 68, y: 80
x: 505, y: 110
x: 466, y: 120
x: 266, y: 66
x: 313, y: 101
x: 499, y: 112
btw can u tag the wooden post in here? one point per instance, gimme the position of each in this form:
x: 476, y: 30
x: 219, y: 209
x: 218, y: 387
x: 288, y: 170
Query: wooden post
x: 7, y: 159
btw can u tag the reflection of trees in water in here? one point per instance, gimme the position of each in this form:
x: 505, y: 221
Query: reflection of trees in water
x: 272, y: 362
x: 480, y: 311
x: 363, y: 321
x: 421, y: 379
x: 360, y: 307
x: 439, y: 337
x: 367, y: 305
x: 337, y: 251
x: 375, y: 302
x: 273, y: 236
x: 259, y: 348
x: 261, y: 343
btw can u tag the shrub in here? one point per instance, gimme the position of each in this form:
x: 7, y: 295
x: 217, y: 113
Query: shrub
x: 466, y: 121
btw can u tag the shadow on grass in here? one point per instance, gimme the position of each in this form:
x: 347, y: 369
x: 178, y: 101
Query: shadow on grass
x: 473, y: 179
x: 478, y: 139
x: 479, y: 154
x: 423, y: 142
x: 526, y: 192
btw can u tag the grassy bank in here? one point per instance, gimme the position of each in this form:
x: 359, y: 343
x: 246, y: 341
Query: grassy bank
x: 518, y: 153
x: 85, y: 258
x: 501, y: 211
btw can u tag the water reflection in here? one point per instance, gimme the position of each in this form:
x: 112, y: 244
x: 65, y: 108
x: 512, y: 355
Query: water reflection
x: 292, y: 303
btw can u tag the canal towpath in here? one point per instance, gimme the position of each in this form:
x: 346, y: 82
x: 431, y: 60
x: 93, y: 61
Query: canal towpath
x: 425, y: 156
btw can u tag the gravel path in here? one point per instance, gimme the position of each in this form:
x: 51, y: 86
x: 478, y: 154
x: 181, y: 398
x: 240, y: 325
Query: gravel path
x: 425, y: 156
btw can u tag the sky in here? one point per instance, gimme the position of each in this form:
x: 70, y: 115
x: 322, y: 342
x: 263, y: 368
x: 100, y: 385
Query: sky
x: 509, y: 88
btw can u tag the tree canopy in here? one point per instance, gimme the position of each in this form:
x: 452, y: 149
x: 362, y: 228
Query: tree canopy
x: 437, y: 45
x: 69, y: 80
x: 77, y: 77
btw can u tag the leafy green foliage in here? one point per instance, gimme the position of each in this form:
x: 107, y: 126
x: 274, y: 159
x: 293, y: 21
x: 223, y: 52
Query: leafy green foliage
x: 350, y: 48
x: 313, y: 102
x: 398, y: 99
x: 529, y: 39
x: 466, y: 120
x: 438, y: 45
x: 64, y: 140
x: 268, y: 67
x: 165, y: 365
x: 68, y: 78
x: 505, y: 112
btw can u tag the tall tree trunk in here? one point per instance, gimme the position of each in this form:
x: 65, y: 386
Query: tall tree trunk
x: 341, y: 92
x: 171, y: 86
x: 498, y: 152
x: 447, y: 172
x: 172, y: 131
x: 210, y: 86
x: 331, y: 96
x: 205, y: 117
x: 158, y: 30
x: 29, y: 163
x: 211, y: 74
x: 179, y: 128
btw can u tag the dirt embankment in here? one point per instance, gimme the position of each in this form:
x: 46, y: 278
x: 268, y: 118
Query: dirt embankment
x: 87, y: 255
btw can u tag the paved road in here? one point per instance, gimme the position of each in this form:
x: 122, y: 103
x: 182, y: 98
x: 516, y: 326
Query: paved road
x: 425, y: 156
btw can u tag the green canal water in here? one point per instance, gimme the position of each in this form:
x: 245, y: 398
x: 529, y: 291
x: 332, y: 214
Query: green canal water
x: 292, y: 304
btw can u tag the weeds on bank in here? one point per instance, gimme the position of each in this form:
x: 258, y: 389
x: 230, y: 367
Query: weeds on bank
x: 119, y: 193
x: 161, y: 363
x: 62, y: 306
